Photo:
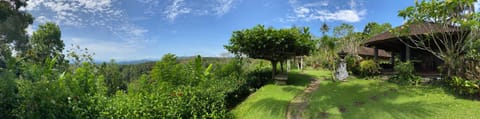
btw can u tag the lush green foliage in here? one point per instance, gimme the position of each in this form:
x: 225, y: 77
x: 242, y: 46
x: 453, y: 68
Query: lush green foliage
x: 190, y: 90
x: 405, y: 74
x: 275, y: 45
x: 46, y: 43
x: 42, y: 85
x: 369, y: 68
x: 13, y: 23
x: 374, y: 28
x: 465, y: 87
x: 194, y: 91
x: 353, y: 64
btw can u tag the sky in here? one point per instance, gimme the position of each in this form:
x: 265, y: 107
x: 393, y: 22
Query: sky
x: 147, y: 29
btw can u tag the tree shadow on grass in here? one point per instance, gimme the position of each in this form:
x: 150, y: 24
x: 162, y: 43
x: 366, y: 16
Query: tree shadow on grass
x: 299, y: 79
x: 272, y: 106
x: 368, y: 100
x: 451, y: 90
x: 269, y: 108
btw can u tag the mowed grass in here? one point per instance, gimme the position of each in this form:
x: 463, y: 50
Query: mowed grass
x: 377, y: 99
x: 271, y: 101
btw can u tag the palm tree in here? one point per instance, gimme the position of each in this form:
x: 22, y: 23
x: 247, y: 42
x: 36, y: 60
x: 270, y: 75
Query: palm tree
x: 324, y: 28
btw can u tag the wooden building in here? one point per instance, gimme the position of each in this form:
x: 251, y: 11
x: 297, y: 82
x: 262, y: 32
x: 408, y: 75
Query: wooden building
x: 424, y: 62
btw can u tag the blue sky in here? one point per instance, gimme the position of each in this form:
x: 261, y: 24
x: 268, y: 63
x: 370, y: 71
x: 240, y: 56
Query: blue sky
x: 147, y: 29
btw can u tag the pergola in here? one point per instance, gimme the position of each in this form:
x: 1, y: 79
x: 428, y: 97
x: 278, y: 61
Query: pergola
x: 398, y: 45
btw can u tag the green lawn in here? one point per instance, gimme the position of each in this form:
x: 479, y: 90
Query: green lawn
x: 356, y: 98
x: 271, y: 101
x: 376, y: 99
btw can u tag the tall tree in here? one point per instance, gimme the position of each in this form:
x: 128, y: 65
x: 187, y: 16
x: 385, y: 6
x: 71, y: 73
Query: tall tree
x: 450, y: 26
x: 275, y: 45
x: 374, y: 28
x: 47, y: 44
x: 113, y: 77
x: 13, y: 23
x: 347, y: 38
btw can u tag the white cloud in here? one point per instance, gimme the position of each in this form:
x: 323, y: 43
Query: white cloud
x: 477, y: 5
x: 138, y: 31
x: 314, y: 4
x: 340, y: 15
x: 176, y: 8
x: 102, y: 14
x: 223, y: 6
x: 30, y: 30
x: 302, y: 12
x: 320, y: 11
x: 107, y: 49
x: 172, y: 9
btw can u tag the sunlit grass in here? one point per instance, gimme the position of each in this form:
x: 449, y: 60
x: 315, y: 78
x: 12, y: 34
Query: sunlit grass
x: 271, y: 101
x: 356, y: 98
x: 382, y: 100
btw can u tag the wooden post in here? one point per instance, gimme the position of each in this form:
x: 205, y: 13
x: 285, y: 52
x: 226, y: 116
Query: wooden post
x: 375, y: 52
x: 298, y: 63
x: 301, y: 63
x: 288, y: 65
x: 407, y: 53
x: 392, y: 59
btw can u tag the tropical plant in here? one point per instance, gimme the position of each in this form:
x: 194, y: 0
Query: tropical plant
x: 405, y: 74
x: 465, y: 87
x: 369, y: 68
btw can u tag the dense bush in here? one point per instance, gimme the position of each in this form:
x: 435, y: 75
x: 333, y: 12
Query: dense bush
x: 405, y: 74
x: 209, y: 95
x: 464, y: 87
x: 245, y: 86
x: 352, y: 64
x: 189, y: 102
x: 369, y: 68
x: 170, y: 90
x: 8, y: 97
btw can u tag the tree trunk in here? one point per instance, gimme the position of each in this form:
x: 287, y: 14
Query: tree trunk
x: 274, y: 69
x: 281, y: 67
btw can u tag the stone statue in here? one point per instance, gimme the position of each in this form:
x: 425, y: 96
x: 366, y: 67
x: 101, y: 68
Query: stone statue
x: 341, y: 72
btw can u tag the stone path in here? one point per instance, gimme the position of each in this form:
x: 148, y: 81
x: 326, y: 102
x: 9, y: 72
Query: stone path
x: 297, y: 106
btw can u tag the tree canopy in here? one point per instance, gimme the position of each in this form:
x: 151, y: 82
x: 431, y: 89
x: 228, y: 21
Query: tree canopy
x: 275, y: 45
x: 46, y: 41
x: 374, y: 28
x: 13, y: 23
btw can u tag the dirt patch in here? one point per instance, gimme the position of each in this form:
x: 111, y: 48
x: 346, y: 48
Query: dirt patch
x: 300, y: 102
x: 358, y: 103
x: 374, y: 98
x: 385, y: 94
x: 342, y: 109
x: 393, y: 90
x: 323, y: 115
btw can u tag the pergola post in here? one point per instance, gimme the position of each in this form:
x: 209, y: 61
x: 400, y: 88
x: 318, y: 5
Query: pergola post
x: 301, y: 63
x: 288, y: 65
x: 392, y: 59
x: 375, y: 52
x: 407, y: 53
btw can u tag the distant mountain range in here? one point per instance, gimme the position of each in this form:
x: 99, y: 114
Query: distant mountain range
x: 152, y: 60
x: 137, y: 61
x: 129, y: 61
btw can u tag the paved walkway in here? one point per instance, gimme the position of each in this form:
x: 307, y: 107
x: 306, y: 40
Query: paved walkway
x: 298, y: 105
